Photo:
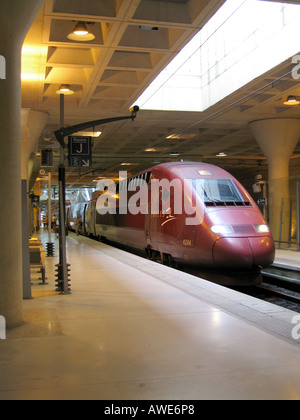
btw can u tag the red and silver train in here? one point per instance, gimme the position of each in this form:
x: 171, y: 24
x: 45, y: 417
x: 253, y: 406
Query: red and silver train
x: 195, y: 215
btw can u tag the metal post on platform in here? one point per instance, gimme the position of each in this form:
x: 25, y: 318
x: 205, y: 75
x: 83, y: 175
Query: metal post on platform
x: 290, y: 223
x: 62, y: 267
x: 298, y: 216
x: 280, y: 222
x: 50, y: 244
x: 265, y: 194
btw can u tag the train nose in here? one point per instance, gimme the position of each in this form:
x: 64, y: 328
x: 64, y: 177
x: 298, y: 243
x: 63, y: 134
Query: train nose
x: 263, y: 249
x: 243, y: 253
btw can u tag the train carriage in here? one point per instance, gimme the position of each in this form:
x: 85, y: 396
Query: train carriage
x: 192, y: 214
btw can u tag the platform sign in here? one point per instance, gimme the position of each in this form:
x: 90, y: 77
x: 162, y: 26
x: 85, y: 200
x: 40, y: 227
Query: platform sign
x: 46, y: 158
x: 80, y: 152
x: 35, y: 199
x: 262, y: 201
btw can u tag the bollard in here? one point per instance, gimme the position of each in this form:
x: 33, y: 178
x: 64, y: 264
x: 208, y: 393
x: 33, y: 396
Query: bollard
x: 60, y: 287
x: 50, y: 249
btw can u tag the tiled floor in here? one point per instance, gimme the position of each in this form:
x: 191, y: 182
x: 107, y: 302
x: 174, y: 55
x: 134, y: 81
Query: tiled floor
x: 126, y: 332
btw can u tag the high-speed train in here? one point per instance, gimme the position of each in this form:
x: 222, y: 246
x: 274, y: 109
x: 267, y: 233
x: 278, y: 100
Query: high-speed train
x: 195, y: 215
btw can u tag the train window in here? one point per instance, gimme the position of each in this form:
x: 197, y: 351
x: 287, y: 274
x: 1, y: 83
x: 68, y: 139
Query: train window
x: 148, y: 176
x: 134, y: 182
x: 131, y: 184
x: 217, y: 190
x: 205, y: 172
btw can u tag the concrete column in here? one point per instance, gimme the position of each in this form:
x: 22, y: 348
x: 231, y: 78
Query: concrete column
x: 16, y: 18
x: 278, y: 139
x: 33, y: 123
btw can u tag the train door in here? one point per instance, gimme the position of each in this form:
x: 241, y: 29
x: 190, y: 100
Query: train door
x: 148, y: 229
x: 93, y: 218
x: 85, y: 219
x: 150, y: 219
x: 68, y: 218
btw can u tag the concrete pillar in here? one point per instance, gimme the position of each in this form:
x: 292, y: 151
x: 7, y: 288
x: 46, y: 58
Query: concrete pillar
x: 33, y: 123
x: 278, y: 139
x: 16, y: 18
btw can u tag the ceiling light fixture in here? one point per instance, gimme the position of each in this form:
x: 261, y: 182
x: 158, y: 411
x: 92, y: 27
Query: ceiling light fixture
x: 94, y: 134
x: 81, y: 29
x: 221, y: 154
x: 81, y: 33
x: 291, y: 101
x: 65, y: 90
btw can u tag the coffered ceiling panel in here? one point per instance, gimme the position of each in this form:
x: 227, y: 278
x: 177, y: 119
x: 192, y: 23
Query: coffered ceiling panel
x: 68, y: 56
x: 133, y: 42
x: 107, y: 8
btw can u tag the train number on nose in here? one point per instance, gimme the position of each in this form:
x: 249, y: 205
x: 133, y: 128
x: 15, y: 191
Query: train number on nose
x: 187, y: 243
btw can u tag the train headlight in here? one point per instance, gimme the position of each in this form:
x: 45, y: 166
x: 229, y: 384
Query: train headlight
x: 262, y: 229
x: 221, y: 229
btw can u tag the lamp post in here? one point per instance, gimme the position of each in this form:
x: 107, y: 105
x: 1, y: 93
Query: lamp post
x: 63, y: 267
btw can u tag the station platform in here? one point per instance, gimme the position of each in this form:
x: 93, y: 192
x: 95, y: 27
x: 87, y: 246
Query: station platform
x: 289, y: 260
x: 135, y: 330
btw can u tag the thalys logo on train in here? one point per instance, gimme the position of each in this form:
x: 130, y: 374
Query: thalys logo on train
x: 2, y: 67
x: 167, y: 198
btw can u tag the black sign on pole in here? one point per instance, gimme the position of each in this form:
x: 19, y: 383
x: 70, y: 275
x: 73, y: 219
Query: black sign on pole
x: 80, y: 152
x: 47, y: 158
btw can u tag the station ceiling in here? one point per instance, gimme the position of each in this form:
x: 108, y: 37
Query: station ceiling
x: 109, y: 73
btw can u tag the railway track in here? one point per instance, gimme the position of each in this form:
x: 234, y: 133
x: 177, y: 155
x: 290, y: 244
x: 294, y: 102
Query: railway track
x: 280, y: 286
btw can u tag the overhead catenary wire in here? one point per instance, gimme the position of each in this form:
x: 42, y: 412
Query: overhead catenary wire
x: 235, y: 103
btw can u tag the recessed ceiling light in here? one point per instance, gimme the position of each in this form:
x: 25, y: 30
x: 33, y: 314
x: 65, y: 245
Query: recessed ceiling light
x: 181, y: 136
x: 65, y: 90
x: 128, y: 164
x: 94, y: 134
x: 291, y: 101
x: 221, y: 154
x: 81, y: 29
x: 81, y: 33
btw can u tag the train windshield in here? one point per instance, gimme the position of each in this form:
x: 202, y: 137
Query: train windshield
x: 217, y: 190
